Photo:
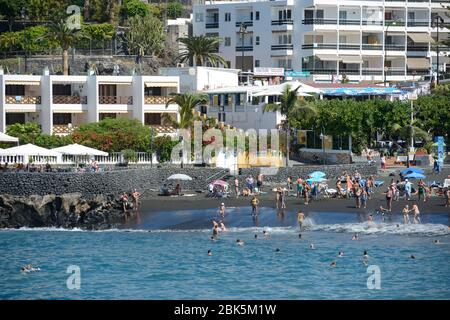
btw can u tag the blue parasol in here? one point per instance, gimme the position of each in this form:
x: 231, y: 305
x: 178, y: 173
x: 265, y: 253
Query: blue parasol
x: 316, y: 179
x: 415, y: 175
x: 317, y: 174
x: 412, y: 170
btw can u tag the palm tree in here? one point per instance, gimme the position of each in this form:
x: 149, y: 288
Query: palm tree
x: 290, y: 107
x: 408, y: 133
x: 187, y: 102
x: 65, y: 37
x: 201, y: 49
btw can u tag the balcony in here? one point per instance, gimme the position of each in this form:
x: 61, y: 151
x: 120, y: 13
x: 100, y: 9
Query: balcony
x: 156, y: 100
x: 418, y: 72
x: 319, y: 21
x: 282, y: 47
x: 244, y: 48
x: 245, y: 23
x: 116, y: 100
x: 63, y: 129
x: 396, y: 72
x: 347, y: 46
x: 212, y: 25
x: 372, y: 71
x: 23, y: 100
x: 394, y: 23
x: 69, y: 99
x: 282, y: 22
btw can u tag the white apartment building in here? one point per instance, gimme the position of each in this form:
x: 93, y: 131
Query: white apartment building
x: 324, y: 39
x: 61, y: 103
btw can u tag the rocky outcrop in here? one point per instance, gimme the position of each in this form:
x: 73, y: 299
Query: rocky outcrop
x: 61, y: 211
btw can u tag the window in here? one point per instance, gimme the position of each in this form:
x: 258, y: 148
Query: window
x: 257, y: 15
x: 286, y: 64
x: 309, y: 14
x: 227, y: 16
x: 15, y: 90
x: 12, y: 118
x: 319, y: 14
x: 199, y: 17
x: 257, y: 40
x: 284, y: 15
x: 257, y: 64
x: 221, y: 116
x: 109, y: 90
x: 251, y: 16
x: 62, y: 118
x: 152, y: 119
x: 103, y: 116
x: 342, y: 15
x: 285, y: 39
x: 227, y: 41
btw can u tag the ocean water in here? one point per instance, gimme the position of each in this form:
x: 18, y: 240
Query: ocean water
x: 164, y: 256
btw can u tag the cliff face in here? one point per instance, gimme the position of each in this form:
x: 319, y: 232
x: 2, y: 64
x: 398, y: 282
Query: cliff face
x: 64, y: 211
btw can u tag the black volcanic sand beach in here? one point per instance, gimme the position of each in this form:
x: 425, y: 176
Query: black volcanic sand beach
x: 152, y: 203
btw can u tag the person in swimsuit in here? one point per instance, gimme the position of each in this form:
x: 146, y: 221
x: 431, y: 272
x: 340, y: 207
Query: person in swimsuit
x: 299, y: 187
x: 222, y: 226
x: 416, y: 213
x: 300, y: 218
x: 236, y: 187
x: 405, y: 212
x: 222, y: 209
x: 136, y: 196
x: 215, y: 228
x: 365, y: 258
x: 254, y: 204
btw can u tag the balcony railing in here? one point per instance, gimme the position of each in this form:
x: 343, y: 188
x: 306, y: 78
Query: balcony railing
x: 282, y: 22
x: 371, y: 22
x: 23, y: 100
x: 319, y: 46
x: 396, y: 72
x: 418, y: 23
x: 349, y: 22
x: 63, y: 129
x: 418, y: 72
x: 156, y: 100
x: 282, y: 47
x: 366, y: 46
x: 245, y: 23
x: 394, y: 23
x: 212, y: 25
x: 372, y: 71
x: 69, y: 99
x: 395, y: 47
x: 349, y: 46
x: 116, y: 100
x: 244, y: 48
x: 319, y: 21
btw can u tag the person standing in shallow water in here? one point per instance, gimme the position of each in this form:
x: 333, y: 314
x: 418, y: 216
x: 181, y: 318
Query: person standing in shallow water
x: 300, y: 219
x: 254, y: 203
x: 416, y: 213
x: 236, y: 187
x: 222, y: 209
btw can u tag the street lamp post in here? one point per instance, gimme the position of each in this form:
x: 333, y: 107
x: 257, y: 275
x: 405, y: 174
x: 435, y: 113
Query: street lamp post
x: 22, y: 13
x: 322, y: 137
x: 437, y: 22
x: 386, y: 69
x: 242, y: 32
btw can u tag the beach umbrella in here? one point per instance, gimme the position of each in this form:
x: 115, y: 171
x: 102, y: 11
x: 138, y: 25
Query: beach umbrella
x: 179, y: 176
x: 316, y: 179
x: 317, y: 174
x: 220, y: 183
x: 412, y: 170
x: 415, y: 175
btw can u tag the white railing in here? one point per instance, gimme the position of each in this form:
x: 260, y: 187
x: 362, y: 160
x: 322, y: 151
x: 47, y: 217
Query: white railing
x: 11, y: 160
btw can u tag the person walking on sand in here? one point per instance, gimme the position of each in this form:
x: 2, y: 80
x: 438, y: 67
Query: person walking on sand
x: 299, y: 187
x: 259, y: 182
x: 307, y: 188
x: 236, y: 187
x: 300, y: 219
x: 136, y: 196
x: 405, y: 212
x: 357, y: 193
x: 383, y: 162
x: 283, y: 193
x: 254, y: 204
x: 289, y: 183
x: 364, y: 197
x: 389, y: 196
x: 416, y: 213
x: 422, y: 190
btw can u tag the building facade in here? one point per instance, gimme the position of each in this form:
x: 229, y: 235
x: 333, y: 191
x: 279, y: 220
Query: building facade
x: 371, y: 40
x: 61, y: 103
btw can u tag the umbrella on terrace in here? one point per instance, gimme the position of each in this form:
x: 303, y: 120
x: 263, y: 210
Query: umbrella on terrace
x: 220, y: 183
x: 179, y: 176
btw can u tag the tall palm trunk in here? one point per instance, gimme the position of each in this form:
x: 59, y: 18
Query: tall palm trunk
x: 65, y: 61
x: 288, y: 135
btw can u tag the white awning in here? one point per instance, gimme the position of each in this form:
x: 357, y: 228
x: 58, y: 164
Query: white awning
x: 418, y: 63
x: 351, y: 59
x: 22, y: 83
x: 328, y: 57
x: 79, y: 150
x: 421, y: 37
x: 29, y: 150
x: 5, y: 138
x: 161, y: 84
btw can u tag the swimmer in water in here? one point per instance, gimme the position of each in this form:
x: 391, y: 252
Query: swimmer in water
x: 277, y: 250
x: 437, y: 242
x: 365, y: 258
x: 412, y: 256
x: 333, y: 264
x: 405, y: 212
x: 215, y: 228
x: 370, y: 219
x: 382, y: 211
x: 311, y: 246
x: 212, y: 238
x: 222, y: 209
x: 299, y: 235
x: 239, y: 242
x: 222, y: 226
x: 256, y: 236
x: 265, y: 233
x: 300, y: 218
x: 416, y: 213
x: 355, y: 237
x: 209, y: 253
x: 340, y: 254
x: 29, y: 268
